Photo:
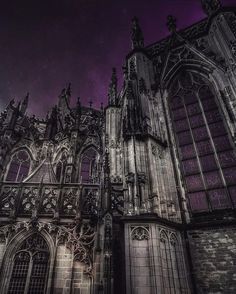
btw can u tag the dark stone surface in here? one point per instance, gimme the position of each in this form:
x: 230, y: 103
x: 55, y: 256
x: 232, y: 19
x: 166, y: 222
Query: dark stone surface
x: 214, y: 259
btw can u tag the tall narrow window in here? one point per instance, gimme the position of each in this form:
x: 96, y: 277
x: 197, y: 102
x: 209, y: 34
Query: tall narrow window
x: 19, y: 166
x: 207, y: 156
x: 89, y: 166
x: 172, y: 264
x: 60, y: 166
x: 30, y: 268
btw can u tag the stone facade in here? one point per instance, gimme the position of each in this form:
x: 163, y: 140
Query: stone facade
x: 213, y: 253
x: 138, y: 197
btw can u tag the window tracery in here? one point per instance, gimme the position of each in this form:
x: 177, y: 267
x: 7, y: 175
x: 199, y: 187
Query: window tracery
x: 140, y: 233
x: 89, y: 169
x: 19, y: 166
x: 173, y: 271
x: 206, y: 153
x: 30, y: 267
x: 60, y: 166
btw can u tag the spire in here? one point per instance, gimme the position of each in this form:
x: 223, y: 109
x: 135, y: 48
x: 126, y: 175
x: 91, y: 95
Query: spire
x: 78, y: 107
x: 68, y: 90
x: 64, y: 97
x: 78, y: 113
x: 112, y: 93
x: 171, y: 23
x: 137, y: 35
x: 52, y: 124
x: 211, y: 6
x: 24, y: 104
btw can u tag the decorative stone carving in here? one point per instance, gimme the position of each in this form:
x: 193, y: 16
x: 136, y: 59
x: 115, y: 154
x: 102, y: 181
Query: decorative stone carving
x: 130, y: 178
x: 69, y: 199
x: 157, y: 150
x: 142, y: 178
x: 78, y: 237
x: 233, y: 48
x: 117, y: 201
x: 140, y: 233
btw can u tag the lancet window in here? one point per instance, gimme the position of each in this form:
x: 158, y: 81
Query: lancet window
x: 60, y: 166
x: 172, y: 264
x: 19, y: 166
x: 205, y: 149
x: 89, y: 166
x: 30, y: 267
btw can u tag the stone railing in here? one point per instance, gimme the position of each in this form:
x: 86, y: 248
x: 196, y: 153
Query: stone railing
x: 55, y: 200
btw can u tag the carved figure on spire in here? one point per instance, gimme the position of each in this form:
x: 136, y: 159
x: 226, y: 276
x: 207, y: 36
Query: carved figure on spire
x: 64, y: 98
x: 211, y: 6
x: 171, y: 23
x: 137, y: 34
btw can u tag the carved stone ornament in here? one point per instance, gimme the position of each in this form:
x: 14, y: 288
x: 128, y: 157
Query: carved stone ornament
x: 130, y: 178
x: 79, y: 238
x: 233, y: 48
x: 140, y: 233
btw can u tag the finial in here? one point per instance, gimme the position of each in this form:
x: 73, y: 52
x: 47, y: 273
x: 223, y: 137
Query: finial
x: 78, y: 106
x: 90, y: 103
x: 171, y: 23
x: 68, y: 90
x: 24, y: 104
x: 101, y: 107
x: 63, y: 92
x: 211, y: 6
x: 136, y: 35
x: 78, y: 102
x: 64, y: 98
x: 113, y: 76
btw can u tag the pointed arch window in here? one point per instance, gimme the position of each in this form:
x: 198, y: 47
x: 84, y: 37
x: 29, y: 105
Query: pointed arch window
x: 19, y: 166
x: 89, y: 166
x: 172, y: 264
x: 60, y: 166
x: 205, y: 149
x: 30, y: 267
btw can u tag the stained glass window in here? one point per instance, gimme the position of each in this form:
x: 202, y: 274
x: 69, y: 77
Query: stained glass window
x: 19, y: 167
x: 30, y: 267
x: 190, y: 166
x: 60, y: 166
x: 208, y: 158
x: 89, y: 166
x: 198, y: 201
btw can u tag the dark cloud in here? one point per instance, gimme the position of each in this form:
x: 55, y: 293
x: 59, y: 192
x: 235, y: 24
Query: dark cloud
x: 45, y: 44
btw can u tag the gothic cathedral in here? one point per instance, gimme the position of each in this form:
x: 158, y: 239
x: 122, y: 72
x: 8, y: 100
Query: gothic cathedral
x: 138, y: 197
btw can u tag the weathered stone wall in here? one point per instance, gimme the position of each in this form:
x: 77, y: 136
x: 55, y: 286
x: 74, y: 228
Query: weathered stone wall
x: 63, y: 274
x: 2, y: 250
x: 214, y: 259
x: 154, y: 260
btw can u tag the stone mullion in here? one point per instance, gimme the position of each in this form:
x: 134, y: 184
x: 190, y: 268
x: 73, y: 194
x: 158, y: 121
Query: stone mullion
x: 27, y: 284
x: 214, y: 150
x: 18, y: 200
x: 196, y: 155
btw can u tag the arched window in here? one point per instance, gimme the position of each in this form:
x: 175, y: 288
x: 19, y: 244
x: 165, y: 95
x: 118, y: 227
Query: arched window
x: 89, y: 166
x: 172, y: 264
x: 206, y: 153
x: 30, y: 268
x: 60, y: 166
x: 18, y: 167
x: 167, y: 279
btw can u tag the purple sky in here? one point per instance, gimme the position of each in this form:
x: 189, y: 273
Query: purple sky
x: 45, y: 44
